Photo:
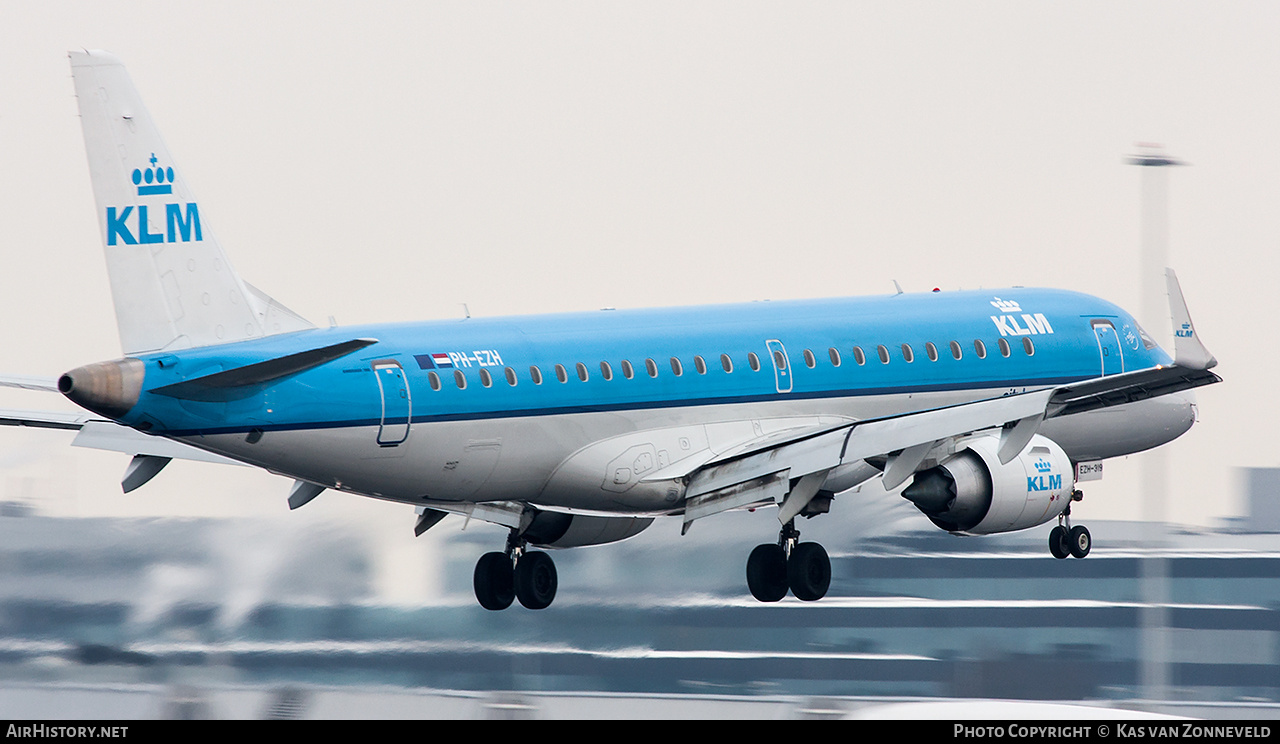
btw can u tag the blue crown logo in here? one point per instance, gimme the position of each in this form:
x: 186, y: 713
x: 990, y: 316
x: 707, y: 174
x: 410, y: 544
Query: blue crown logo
x: 1043, y: 466
x: 153, y: 180
x: 1006, y: 306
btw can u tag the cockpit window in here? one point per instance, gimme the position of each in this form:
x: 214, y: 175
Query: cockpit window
x: 1147, y: 341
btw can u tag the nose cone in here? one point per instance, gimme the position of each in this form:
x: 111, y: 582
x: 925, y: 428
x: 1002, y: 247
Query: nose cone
x: 109, y: 388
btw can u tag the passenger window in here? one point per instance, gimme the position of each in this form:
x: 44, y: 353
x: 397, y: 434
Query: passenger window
x: 754, y: 361
x: 980, y: 348
x: 726, y: 362
x: 511, y: 377
x: 561, y: 374
x: 809, y: 360
x: 535, y: 374
x: 606, y: 371
x: 1027, y: 346
x: 931, y: 350
x: 858, y: 356
x: 884, y: 354
x: 460, y: 379
x: 651, y: 367
x: 582, y: 372
x: 675, y: 367
x: 485, y: 378
x: 955, y: 350
x: 434, y: 379
x: 834, y: 353
x: 627, y: 370
x: 700, y: 364
x: 1004, y: 347
x: 907, y: 353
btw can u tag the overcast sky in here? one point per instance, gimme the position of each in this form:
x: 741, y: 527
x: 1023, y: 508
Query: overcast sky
x: 391, y: 161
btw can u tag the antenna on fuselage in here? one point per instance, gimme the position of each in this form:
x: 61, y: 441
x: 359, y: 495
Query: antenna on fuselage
x: 897, y: 286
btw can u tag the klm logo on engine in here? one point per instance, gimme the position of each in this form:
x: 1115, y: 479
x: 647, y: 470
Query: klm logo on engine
x: 132, y: 225
x: 1045, y: 480
x: 1008, y: 325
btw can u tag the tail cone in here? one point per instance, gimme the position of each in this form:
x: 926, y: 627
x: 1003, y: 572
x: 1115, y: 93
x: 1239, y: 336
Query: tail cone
x: 109, y: 388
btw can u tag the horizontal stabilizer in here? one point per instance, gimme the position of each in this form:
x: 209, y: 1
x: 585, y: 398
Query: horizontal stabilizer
x: 30, y: 382
x: 100, y: 434
x: 45, y: 419
x: 241, y: 382
x: 112, y: 437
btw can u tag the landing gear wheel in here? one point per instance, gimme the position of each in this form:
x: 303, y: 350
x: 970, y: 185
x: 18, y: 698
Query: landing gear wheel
x: 494, y: 581
x: 536, y: 580
x: 767, y: 573
x: 1058, y: 542
x: 1080, y: 541
x: 809, y: 571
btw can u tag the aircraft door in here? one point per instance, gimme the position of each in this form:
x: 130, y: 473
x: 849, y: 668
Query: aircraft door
x: 1109, y: 347
x: 781, y: 365
x: 393, y: 428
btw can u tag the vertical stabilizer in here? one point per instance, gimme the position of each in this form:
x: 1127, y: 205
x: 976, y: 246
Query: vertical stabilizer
x: 171, y: 282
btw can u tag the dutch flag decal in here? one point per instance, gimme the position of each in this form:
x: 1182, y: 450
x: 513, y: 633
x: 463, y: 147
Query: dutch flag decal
x: 433, y: 361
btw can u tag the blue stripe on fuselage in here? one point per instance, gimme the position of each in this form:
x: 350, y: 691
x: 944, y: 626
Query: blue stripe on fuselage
x: 345, y: 393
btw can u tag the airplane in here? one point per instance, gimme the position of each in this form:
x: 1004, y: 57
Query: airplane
x: 577, y: 429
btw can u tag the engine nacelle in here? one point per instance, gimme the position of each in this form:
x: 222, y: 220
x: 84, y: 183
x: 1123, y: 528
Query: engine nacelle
x: 973, y: 492
x: 559, y: 530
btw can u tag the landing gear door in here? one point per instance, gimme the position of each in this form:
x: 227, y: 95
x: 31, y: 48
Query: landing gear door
x: 1108, y: 347
x: 781, y: 365
x: 393, y: 427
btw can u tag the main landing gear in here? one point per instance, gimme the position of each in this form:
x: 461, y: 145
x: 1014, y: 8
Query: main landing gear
x: 1066, y: 540
x: 515, y: 574
x: 804, y: 568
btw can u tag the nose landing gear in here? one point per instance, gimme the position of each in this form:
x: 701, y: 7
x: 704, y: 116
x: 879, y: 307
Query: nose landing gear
x: 1066, y: 540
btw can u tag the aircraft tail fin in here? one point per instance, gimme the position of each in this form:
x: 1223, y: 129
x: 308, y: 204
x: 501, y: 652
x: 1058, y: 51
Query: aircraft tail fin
x: 172, y: 285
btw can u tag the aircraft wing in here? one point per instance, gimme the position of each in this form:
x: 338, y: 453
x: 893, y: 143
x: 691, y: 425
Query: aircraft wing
x: 792, y: 471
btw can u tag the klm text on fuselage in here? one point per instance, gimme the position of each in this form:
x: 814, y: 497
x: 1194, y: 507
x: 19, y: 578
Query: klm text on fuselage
x: 130, y: 226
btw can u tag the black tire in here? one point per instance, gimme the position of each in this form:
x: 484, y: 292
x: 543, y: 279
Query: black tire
x: 767, y: 573
x: 536, y: 580
x: 494, y: 581
x: 1080, y: 541
x: 1058, y: 542
x: 809, y: 571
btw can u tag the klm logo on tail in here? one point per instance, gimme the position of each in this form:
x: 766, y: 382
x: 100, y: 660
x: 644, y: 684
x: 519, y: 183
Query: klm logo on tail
x: 130, y: 225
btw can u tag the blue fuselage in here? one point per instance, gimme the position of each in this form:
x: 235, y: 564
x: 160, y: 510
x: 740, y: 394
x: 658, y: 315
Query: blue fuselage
x: 481, y: 368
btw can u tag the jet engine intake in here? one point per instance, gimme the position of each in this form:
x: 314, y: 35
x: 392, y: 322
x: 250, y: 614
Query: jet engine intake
x: 975, y: 493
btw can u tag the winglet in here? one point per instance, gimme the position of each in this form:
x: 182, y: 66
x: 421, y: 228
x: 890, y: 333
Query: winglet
x: 1188, y: 352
